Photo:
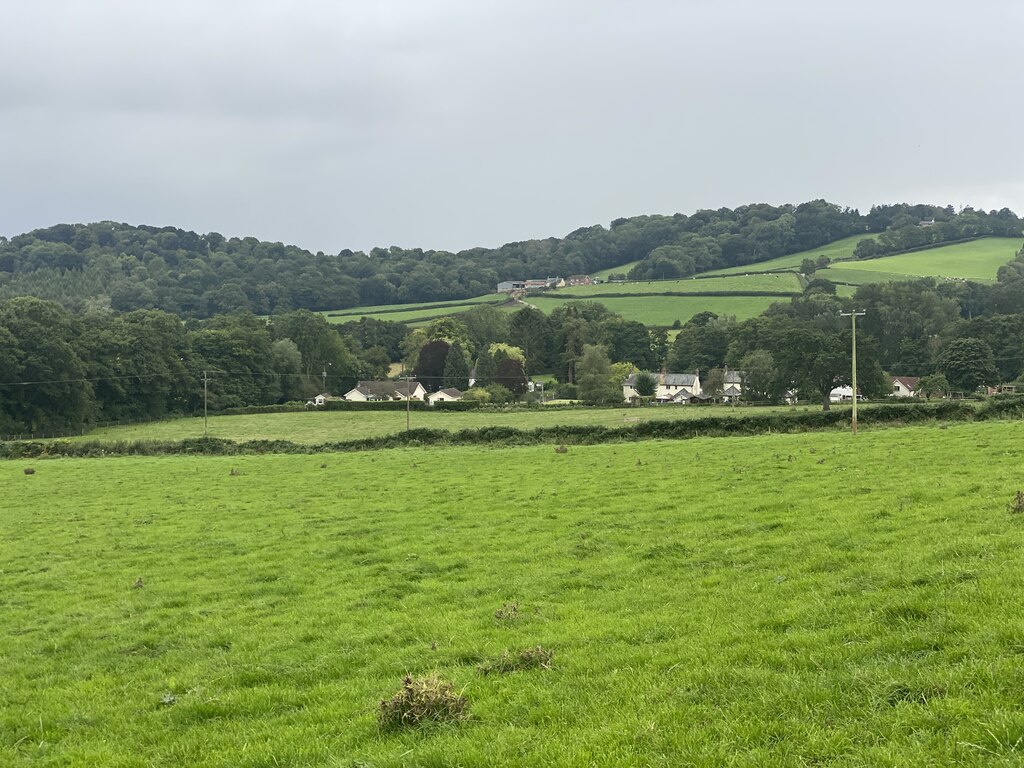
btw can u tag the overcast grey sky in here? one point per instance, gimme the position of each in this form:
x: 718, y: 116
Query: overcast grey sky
x: 449, y: 124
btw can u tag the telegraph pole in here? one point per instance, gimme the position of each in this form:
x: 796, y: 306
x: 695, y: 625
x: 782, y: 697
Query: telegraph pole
x: 853, y: 315
x: 206, y: 422
x: 324, y: 374
x: 408, y: 403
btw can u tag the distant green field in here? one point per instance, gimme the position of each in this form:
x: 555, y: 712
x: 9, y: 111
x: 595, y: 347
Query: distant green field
x: 664, y: 310
x: 416, y: 312
x: 623, y: 269
x: 975, y: 260
x: 859, y: 276
x: 326, y: 426
x: 782, y: 600
x: 783, y: 281
x: 377, y: 309
x: 835, y: 251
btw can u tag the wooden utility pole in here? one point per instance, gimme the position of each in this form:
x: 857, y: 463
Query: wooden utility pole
x: 853, y: 315
x: 206, y: 421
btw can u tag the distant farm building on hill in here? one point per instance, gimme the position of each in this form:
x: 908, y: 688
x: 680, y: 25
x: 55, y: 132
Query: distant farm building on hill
x: 509, y: 286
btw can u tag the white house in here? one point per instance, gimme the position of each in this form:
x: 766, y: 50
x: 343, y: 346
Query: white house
x: 733, y: 386
x: 366, y: 391
x: 323, y: 398
x: 842, y: 394
x: 904, y: 386
x: 444, y: 396
x: 670, y: 387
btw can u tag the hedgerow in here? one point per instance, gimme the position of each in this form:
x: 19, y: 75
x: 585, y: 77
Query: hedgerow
x: 559, y: 434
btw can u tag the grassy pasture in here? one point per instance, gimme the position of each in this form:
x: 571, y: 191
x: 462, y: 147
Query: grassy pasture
x: 412, y: 313
x: 836, y: 251
x: 665, y: 310
x: 780, y: 600
x: 975, y: 260
x: 325, y: 426
x: 783, y: 281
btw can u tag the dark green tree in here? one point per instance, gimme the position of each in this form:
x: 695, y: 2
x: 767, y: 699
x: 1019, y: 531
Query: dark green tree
x: 968, y: 364
x: 596, y: 383
x: 456, y: 369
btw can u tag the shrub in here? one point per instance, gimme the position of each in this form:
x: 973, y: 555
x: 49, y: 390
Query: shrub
x: 423, y: 700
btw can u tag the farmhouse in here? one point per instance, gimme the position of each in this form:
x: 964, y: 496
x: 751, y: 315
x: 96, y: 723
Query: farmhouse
x: 508, y: 286
x: 904, y: 386
x: 368, y: 391
x: 670, y: 387
x: 444, y: 396
x: 733, y: 386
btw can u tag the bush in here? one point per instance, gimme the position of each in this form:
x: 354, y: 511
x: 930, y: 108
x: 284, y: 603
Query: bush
x: 565, y: 391
x: 422, y: 700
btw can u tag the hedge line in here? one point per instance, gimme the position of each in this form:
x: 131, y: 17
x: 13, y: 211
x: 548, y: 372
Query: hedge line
x: 711, y: 426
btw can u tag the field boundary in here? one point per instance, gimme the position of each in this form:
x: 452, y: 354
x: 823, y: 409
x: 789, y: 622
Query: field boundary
x: 712, y: 426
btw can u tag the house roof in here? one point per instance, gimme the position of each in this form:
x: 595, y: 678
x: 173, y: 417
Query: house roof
x: 680, y: 379
x: 450, y: 392
x: 385, y: 388
x: 734, y: 377
x: 667, y: 379
x: 732, y: 390
x: 910, y: 382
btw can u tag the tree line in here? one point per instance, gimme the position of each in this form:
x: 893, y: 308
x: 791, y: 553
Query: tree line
x: 112, y: 265
x: 62, y: 370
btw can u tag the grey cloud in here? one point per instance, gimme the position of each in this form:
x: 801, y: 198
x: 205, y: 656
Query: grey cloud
x: 451, y: 124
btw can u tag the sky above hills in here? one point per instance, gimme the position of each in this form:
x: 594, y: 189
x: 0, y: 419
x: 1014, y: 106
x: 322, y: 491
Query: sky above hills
x: 455, y: 123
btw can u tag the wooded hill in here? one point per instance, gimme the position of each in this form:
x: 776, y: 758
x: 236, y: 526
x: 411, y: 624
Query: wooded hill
x: 142, y: 267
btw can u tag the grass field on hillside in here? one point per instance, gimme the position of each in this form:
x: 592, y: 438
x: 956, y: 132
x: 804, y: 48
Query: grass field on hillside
x: 326, y: 426
x: 622, y: 269
x: 975, y: 260
x: 860, y: 276
x: 665, y: 310
x: 784, y: 281
x: 431, y: 305
x: 414, y: 313
x: 837, y: 250
x: 785, y: 600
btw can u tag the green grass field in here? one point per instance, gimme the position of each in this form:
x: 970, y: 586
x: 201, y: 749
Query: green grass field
x: 783, y: 281
x: 602, y: 274
x: 326, y: 426
x: 785, y: 600
x: 409, y: 313
x: 836, y: 251
x: 664, y: 310
x: 976, y: 260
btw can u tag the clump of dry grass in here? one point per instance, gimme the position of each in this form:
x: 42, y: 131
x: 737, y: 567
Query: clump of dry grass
x: 561, y: 449
x: 422, y: 700
x: 507, y: 612
x: 29, y: 471
x: 1017, y: 503
x: 528, y: 658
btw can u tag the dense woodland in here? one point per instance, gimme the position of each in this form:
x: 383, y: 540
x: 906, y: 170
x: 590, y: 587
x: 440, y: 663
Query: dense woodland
x: 62, y: 370
x: 109, y: 265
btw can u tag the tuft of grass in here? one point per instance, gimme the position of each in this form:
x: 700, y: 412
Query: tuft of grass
x: 1017, y: 503
x: 422, y: 700
x: 507, y: 612
x: 536, y: 657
